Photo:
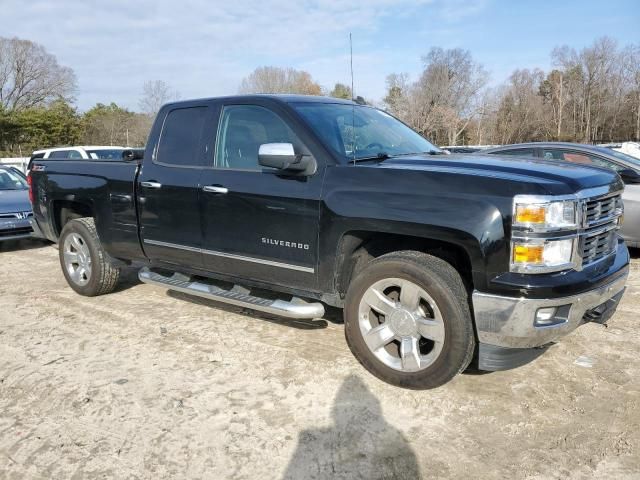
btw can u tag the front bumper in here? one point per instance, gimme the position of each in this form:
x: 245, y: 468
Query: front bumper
x: 15, y: 228
x: 510, y: 322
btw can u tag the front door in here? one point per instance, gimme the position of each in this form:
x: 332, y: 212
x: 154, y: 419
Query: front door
x: 257, y: 222
x: 168, y: 189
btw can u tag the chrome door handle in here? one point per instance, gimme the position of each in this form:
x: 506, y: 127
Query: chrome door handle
x: 151, y: 184
x: 214, y: 189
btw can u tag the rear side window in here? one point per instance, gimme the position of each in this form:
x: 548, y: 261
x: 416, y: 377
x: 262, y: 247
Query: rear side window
x: 520, y: 152
x: 180, y: 137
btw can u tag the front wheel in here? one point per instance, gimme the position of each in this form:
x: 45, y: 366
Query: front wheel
x: 83, y: 261
x: 408, y: 322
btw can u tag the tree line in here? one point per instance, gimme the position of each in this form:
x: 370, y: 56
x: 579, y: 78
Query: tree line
x: 37, y: 105
x: 589, y: 95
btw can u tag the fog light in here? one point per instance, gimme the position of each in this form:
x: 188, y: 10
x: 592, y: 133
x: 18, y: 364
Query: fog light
x: 545, y: 316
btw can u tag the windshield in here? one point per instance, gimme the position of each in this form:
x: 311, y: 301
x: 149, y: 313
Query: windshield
x: 115, y: 154
x: 10, y: 180
x: 376, y: 132
x: 632, y: 161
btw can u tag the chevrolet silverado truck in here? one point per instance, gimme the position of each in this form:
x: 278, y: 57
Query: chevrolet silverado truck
x: 285, y: 204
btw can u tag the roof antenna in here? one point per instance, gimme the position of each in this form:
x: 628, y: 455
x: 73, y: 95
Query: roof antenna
x: 353, y: 106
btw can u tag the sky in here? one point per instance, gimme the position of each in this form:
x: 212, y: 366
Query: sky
x: 203, y: 48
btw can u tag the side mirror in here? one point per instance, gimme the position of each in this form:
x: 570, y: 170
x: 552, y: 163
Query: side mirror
x: 629, y: 176
x: 133, y: 154
x: 283, y: 157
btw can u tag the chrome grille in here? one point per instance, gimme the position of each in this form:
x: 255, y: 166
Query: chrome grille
x: 18, y: 215
x: 597, y: 246
x: 600, y: 223
x: 602, y: 210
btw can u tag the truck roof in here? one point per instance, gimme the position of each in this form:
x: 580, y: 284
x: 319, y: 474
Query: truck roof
x: 281, y: 97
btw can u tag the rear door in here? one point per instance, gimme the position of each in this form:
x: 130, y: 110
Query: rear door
x: 168, y: 188
x: 257, y: 222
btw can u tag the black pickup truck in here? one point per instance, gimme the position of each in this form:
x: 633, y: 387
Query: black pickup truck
x: 437, y: 260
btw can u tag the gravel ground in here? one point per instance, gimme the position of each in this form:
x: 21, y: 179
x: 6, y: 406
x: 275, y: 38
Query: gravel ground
x: 144, y: 383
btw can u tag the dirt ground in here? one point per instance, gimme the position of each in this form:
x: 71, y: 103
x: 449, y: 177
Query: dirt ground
x: 144, y: 383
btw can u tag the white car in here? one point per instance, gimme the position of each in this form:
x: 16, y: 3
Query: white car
x: 80, y: 153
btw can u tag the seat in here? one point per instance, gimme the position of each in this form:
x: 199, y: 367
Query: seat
x: 241, y: 148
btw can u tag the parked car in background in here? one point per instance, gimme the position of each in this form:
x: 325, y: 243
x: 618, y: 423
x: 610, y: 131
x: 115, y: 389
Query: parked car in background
x: 78, y: 153
x: 15, y: 208
x: 629, y: 148
x: 626, y: 166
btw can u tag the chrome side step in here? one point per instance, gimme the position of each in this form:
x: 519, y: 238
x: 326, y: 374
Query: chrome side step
x: 295, y: 308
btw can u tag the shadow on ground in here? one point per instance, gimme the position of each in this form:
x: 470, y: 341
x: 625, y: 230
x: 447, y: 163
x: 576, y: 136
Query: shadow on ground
x: 24, y: 244
x: 359, y: 443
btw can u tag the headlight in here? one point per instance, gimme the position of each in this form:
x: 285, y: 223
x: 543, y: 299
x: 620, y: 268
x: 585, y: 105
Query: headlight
x: 540, y: 255
x: 544, y: 215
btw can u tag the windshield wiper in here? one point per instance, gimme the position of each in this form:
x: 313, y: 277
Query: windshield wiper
x: 377, y: 156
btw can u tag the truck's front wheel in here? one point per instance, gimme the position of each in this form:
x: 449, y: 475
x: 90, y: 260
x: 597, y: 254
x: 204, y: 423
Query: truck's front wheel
x: 408, y: 322
x: 83, y: 261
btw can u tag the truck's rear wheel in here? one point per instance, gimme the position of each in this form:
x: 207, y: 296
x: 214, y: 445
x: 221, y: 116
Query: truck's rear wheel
x: 407, y: 320
x: 83, y: 261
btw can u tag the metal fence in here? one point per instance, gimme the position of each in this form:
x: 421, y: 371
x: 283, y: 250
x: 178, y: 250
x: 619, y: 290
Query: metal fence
x: 18, y: 162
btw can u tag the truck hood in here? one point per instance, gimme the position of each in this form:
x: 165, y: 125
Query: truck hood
x: 14, y: 201
x: 554, y: 176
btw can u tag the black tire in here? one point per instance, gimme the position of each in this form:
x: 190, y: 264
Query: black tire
x: 104, y: 276
x: 443, y: 283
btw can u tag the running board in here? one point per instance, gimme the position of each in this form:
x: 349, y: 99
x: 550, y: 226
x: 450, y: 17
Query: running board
x: 296, y: 308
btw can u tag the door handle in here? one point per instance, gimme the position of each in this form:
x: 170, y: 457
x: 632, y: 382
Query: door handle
x: 215, y: 189
x: 151, y: 184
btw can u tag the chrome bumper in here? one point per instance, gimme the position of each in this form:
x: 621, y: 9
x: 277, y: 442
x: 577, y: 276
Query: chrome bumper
x: 510, y: 322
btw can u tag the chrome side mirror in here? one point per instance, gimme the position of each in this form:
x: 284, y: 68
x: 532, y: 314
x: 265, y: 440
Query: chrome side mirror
x: 282, y: 156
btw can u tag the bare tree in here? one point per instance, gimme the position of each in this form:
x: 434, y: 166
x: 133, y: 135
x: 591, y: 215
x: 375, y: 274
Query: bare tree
x: 30, y: 76
x: 156, y: 93
x: 446, y: 97
x: 280, y: 80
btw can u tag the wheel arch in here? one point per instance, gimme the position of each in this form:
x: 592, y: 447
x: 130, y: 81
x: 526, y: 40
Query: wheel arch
x: 356, y: 248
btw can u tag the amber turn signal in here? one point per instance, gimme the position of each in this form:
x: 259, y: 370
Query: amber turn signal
x: 530, y: 214
x: 529, y: 254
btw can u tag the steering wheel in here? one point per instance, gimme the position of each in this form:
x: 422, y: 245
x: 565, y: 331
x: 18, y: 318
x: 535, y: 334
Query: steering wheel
x: 374, y: 144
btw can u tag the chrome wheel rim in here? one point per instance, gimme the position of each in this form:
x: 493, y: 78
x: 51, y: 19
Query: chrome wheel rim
x: 401, y: 324
x: 77, y: 259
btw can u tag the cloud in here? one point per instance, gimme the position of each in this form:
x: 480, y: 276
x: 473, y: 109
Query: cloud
x: 204, y: 48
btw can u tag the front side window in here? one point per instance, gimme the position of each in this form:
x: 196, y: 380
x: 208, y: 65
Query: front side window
x: 243, y: 128
x: 357, y: 132
x: 180, y: 137
x: 581, y: 158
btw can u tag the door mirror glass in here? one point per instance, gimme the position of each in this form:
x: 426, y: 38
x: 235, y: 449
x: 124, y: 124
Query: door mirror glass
x: 133, y: 154
x: 629, y: 176
x: 282, y: 156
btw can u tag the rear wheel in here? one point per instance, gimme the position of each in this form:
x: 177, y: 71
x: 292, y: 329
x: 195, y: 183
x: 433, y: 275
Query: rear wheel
x: 408, y: 322
x: 84, y: 262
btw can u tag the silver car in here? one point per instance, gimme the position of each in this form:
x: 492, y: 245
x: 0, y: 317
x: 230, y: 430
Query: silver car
x: 628, y: 168
x: 15, y: 208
